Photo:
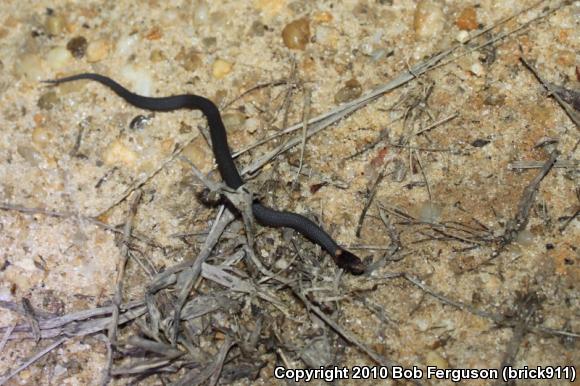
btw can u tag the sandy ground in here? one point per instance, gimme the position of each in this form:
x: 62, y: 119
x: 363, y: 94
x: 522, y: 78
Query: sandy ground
x: 444, y: 144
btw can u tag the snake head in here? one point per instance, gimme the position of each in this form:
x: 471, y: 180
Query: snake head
x: 349, y: 262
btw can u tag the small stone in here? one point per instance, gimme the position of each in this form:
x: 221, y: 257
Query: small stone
x: 282, y: 264
x: 201, y: 12
x: 258, y: 28
x: 140, y: 78
x: 233, y: 120
x: 221, y: 68
x: 477, y: 69
x: 270, y: 7
x: 154, y: 34
x: 462, y: 36
x: 351, y: 90
x: 428, y: 20
x: 77, y: 46
x: 480, y: 142
x: 29, y: 66
x: 525, y: 238
x: 126, y: 44
x: 323, y: 17
x: 58, y: 57
x: 47, y: 100
x: 97, y: 51
x: 434, y: 359
x: 30, y: 154
x: 54, y: 24
x: 41, y: 137
x: 118, y: 153
x: 296, y: 34
x: 157, y: 56
x: 209, y: 42
x: 467, y: 19
x: 190, y: 60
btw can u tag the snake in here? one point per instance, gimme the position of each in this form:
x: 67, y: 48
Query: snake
x: 227, y: 168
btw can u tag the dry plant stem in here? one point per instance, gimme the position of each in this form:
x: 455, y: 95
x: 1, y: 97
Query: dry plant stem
x: 496, y: 318
x: 519, y: 332
x: 519, y: 222
x: 346, y: 335
x: 332, y: 116
x: 193, y: 271
x: 560, y: 164
x: 80, y: 327
x: 369, y: 200
x: 505, y: 34
x: 31, y: 318
x: 212, y: 371
x: 574, y: 215
x: 569, y: 111
x: 254, y: 88
x: 438, y: 123
x: 118, y: 297
x: 6, y: 336
x: 396, y: 245
x: 322, y: 121
x: 49, y: 322
x: 418, y: 158
x: 33, y: 359
x: 305, y: 117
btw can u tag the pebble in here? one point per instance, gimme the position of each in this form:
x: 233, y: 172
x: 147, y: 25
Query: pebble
x: 467, y: 20
x: 118, y: 153
x: 47, y: 100
x: 477, y: 69
x: 97, y: 50
x: 139, y: 77
x: 323, y: 17
x: 209, y: 42
x: 270, y: 7
x: 54, y: 24
x: 233, y: 120
x: 77, y: 46
x: 296, y: 34
x: 41, y: 137
x: 29, y: 66
x: 201, y: 12
x: 221, y: 68
x: 351, y: 90
x: 125, y: 45
x: 154, y: 34
x: 428, y: 20
x: 525, y: 238
x: 157, y: 56
x: 30, y: 154
x: 434, y: 359
x: 258, y: 28
x: 58, y: 58
x: 190, y: 60
x: 462, y: 36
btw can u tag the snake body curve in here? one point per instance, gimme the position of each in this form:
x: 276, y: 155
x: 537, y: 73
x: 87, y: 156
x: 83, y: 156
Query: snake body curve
x: 226, y: 165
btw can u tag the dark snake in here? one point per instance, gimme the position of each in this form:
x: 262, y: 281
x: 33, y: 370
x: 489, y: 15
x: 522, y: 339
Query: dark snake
x: 226, y: 166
